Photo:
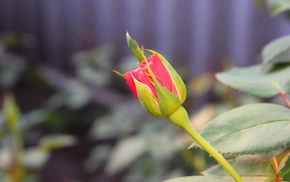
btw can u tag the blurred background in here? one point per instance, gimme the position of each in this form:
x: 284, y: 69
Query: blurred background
x: 79, y: 120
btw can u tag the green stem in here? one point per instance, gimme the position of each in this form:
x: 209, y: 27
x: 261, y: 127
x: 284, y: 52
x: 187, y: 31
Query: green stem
x: 12, y: 115
x: 180, y: 118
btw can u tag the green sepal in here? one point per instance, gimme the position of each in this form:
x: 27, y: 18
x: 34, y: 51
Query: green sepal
x: 168, y: 101
x: 120, y: 74
x: 135, y: 48
x: 175, y: 77
x: 147, y: 99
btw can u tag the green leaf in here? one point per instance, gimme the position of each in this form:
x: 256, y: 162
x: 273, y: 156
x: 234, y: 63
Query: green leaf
x: 253, y: 81
x: 285, y: 171
x: 251, y: 168
x: 277, y: 51
x: 201, y: 179
x: 250, y: 129
x: 278, y: 6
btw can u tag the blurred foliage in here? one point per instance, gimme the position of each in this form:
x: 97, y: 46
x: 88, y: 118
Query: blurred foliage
x: 79, y: 123
x: 81, y: 115
x: 278, y: 6
x: 76, y: 127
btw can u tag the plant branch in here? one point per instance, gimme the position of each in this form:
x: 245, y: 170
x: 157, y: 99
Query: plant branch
x: 281, y: 92
x: 276, y: 168
x: 11, y: 113
x: 285, y: 98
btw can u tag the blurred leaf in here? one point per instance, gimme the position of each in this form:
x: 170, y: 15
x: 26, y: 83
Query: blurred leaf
x: 201, y: 179
x: 274, y: 153
x: 126, y: 152
x: 204, y: 115
x: 196, y: 159
x: 11, y: 68
x: 175, y: 173
x: 253, y: 81
x: 259, y: 2
x: 201, y: 84
x: 278, y: 6
x: 252, y: 168
x: 32, y: 118
x: 145, y: 169
x: 3, y: 129
x: 56, y: 141
x: 11, y: 111
x: 74, y: 96
x: 285, y: 171
x: 118, y: 122
x: 35, y: 158
x: 93, y: 66
x: 14, y: 153
x: 161, y: 140
x: 5, y: 158
x: 98, y: 155
x: 162, y: 146
x: 277, y: 51
x: 4, y: 177
x: 12, y: 115
x: 249, y: 129
x: 10, y: 39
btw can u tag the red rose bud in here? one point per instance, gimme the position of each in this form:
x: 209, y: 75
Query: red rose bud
x: 156, y: 85
x: 161, y: 91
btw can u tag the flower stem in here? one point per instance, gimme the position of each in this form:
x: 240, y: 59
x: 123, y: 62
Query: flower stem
x: 180, y: 118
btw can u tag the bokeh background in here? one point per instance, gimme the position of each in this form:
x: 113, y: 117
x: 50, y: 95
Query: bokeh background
x: 79, y: 120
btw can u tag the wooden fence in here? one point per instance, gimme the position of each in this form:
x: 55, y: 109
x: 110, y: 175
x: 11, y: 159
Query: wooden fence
x: 198, y: 33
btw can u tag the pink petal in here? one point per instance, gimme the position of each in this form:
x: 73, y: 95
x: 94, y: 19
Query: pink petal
x: 161, y: 73
x: 131, y: 83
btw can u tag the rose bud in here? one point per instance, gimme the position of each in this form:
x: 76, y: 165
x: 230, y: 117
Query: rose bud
x: 161, y: 91
x: 155, y: 84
